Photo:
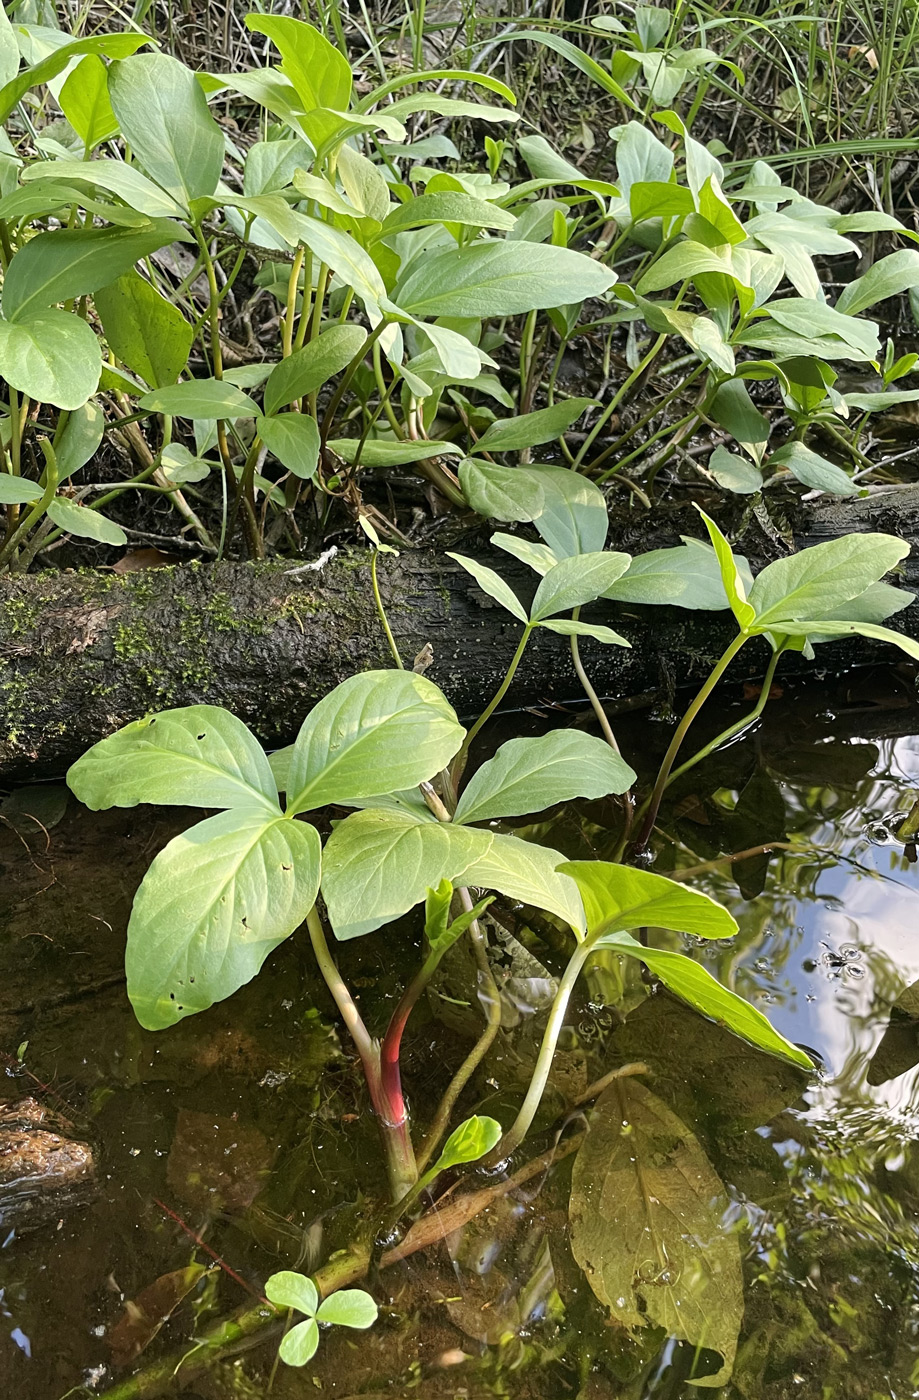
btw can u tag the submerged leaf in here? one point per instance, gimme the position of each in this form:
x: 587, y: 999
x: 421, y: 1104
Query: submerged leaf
x: 648, y: 1225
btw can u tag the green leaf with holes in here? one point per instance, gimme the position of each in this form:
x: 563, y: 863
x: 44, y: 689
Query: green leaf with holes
x: 212, y: 906
x: 197, y: 756
x: 377, y: 732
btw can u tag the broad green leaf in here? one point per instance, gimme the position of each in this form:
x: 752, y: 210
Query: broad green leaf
x: 164, y: 117
x: 196, y: 756
x: 287, y: 1289
x: 500, y: 493
x: 17, y: 490
x: 618, y: 898
x: 319, y: 72
x: 298, y: 1346
x: 270, y: 165
x: 655, y: 199
x: 144, y: 330
x: 528, y: 775
x: 876, y: 403
x: 827, y: 629
x: 53, y: 357
x: 529, y: 873
x: 110, y: 45
x: 696, y: 985
x: 813, y: 470
x: 492, y: 584
x: 446, y: 207
x: 126, y: 181
x: 179, y: 465
x: 811, y: 317
x: 378, y: 864
x: 568, y: 627
x: 681, y: 263
x: 530, y: 552
x: 87, y: 524
x: 469, y: 1142
x: 532, y: 429
x: 84, y: 100
x: 573, y: 519
x: 80, y: 439
x: 814, y: 581
x: 364, y: 183
x: 876, y: 604
x: 686, y: 576
x: 348, y: 1307
x: 499, y: 279
x: 381, y: 452
x: 899, y: 272
x: 714, y: 207
x: 649, y: 1227
x: 294, y: 439
x: 9, y: 51
x: 779, y: 342
x: 200, y: 398
x: 377, y: 732
x: 550, y: 168
x: 212, y: 906
x: 58, y: 266
x: 343, y: 254
x: 730, y: 575
x: 736, y: 412
x: 307, y: 369
x: 576, y: 581
x: 735, y: 473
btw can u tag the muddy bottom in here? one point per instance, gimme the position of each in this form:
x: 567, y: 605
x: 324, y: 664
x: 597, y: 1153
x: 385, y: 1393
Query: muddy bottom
x: 240, y: 1142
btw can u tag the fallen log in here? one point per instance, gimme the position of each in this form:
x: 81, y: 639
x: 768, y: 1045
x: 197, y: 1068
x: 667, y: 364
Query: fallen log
x: 82, y: 653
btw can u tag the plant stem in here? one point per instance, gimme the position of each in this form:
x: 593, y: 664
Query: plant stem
x: 595, y: 702
x: 40, y: 507
x: 385, y: 1089
x: 733, y: 729
x: 293, y: 281
x: 650, y: 809
x: 488, y: 993
x: 528, y: 1109
x: 616, y: 400
x: 459, y: 763
x: 381, y: 612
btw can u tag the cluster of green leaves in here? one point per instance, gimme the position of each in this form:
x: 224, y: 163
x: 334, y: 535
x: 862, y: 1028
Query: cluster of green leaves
x: 393, y: 280
x: 726, y: 262
x: 321, y: 203
x: 348, y: 1307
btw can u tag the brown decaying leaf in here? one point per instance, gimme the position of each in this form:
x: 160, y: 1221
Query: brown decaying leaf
x: 648, y: 1225
x: 138, y: 559
x: 217, y: 1163
x: 144, y: 1315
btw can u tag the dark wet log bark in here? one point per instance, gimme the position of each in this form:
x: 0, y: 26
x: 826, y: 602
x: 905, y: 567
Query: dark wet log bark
x: 83, y: 653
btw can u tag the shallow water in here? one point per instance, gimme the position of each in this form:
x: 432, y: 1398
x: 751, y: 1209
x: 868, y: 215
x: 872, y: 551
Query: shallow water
x: 247, y: 1128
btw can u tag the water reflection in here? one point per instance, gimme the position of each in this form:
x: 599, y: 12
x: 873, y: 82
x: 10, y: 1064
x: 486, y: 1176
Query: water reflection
x: 246, y: 1127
